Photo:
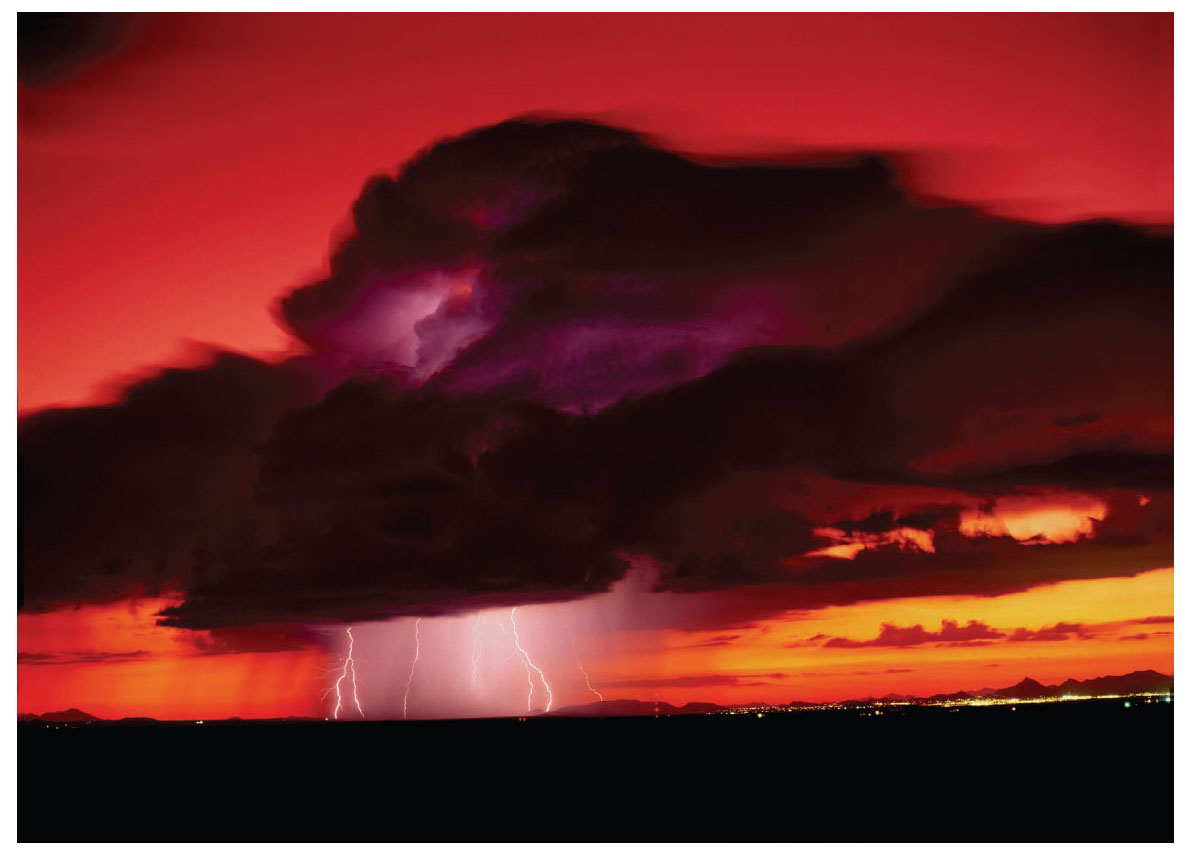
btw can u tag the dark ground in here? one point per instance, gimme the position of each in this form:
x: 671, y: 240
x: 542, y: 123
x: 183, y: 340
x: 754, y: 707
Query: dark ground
x: 1076, y: 771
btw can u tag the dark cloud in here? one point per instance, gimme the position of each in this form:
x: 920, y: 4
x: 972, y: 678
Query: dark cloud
x: 552, y: 348
x: 596, y: 265
x: 975, y: 634
x: 53, y: 46
x: 879, y: 522
x: 68, y: 658
x: 147, y: 495
x: 1058, y: 632
x: 263, y: 640
x: 893, y: 636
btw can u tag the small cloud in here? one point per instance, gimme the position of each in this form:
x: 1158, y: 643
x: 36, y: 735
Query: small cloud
x: 69, y: 658
x: 1057, y: 632
x: 893, y: 636
x: 810, y: 640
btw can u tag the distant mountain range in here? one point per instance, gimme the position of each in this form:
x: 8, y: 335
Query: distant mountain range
x: 1148, y: 681
x: 633, y: 707
x: 72, y: 714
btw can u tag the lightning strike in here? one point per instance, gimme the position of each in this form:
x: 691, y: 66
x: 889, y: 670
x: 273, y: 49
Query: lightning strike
x: 584, y: 672
x: 405, y: 702
x: 476, y: 647
x: 529, y: 663
x: 349, y: 665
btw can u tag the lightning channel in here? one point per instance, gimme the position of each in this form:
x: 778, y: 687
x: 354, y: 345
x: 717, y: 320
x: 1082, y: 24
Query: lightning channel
x: 476, y: 647
x: 348, y: 666
x: 530, y: 664
x: 584, y: 671
x: 405, y: 702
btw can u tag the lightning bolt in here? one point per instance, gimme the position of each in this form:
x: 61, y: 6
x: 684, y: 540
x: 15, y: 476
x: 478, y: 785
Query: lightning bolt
x: 405, y: 702
x: 476, y: 647
x: 529, y: 663
x: 349, y: 665
x: 584, y: 671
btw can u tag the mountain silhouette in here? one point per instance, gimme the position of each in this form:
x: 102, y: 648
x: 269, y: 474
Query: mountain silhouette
x: 1027, y: 688
x: 629, y: 707
x: 72, y: 714
x: 1146, y: 681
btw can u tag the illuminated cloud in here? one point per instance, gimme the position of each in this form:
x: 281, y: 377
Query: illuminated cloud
x: 847, y: 545
x: 1049, y: 518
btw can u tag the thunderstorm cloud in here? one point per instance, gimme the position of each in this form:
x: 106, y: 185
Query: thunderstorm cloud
x: 551, y: 349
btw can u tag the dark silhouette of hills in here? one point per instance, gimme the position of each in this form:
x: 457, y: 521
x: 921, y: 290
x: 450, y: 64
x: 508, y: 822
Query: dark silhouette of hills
x: 629, y: 707
x: 1028, y: 689
x: 959, y: 696
x: 72, y: 714
x: 1147, y: 681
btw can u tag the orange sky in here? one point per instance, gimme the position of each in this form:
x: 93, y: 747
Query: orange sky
x: 161, y: 672
x: 816, y: 673
x: 141, y: 669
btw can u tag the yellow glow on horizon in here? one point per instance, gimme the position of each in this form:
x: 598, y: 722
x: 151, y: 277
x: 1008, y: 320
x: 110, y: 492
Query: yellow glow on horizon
x: 784, y: 645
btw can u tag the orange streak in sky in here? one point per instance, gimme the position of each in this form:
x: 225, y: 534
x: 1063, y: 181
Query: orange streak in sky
x: 116, y: 662
x: 784, y: 646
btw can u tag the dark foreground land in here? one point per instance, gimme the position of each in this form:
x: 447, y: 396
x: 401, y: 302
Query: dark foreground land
x: 1075, y: 771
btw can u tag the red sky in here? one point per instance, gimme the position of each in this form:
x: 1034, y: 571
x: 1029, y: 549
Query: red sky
x: 171, y: 193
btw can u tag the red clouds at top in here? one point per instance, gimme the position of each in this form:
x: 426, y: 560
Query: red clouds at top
x: 197, y: 172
